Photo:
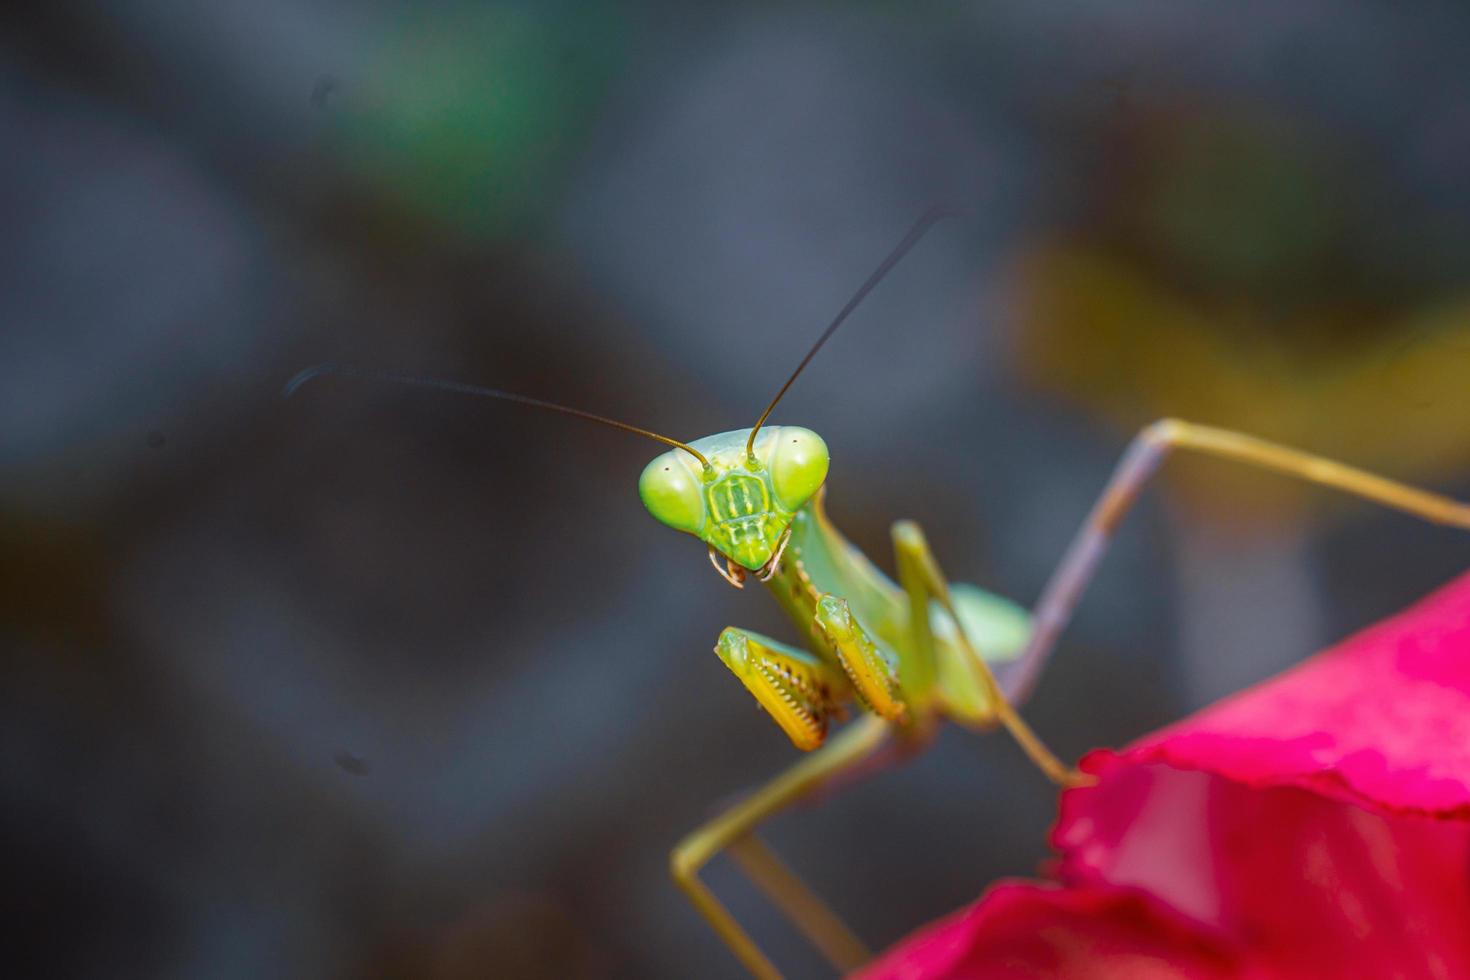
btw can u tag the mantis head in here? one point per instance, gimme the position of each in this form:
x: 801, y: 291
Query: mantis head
x: 741, y: 499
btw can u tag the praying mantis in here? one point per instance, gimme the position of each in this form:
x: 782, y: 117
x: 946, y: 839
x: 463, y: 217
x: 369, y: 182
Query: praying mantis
x: 908, y: 654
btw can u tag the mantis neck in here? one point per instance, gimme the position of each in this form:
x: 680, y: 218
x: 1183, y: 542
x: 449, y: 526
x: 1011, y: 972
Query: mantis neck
x: 818, y: 560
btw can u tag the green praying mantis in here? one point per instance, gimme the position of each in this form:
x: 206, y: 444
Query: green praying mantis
x: 909, y: 654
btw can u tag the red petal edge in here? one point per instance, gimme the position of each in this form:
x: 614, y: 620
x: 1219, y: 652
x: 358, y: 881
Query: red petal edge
x: 1315, y: 825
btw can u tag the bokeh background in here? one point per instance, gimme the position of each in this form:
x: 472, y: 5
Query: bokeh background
x: 382, y: 683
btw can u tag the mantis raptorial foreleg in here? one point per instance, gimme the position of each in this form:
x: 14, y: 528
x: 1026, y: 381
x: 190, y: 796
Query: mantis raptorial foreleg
x: 733, y: 828
x: 921, y: 578
x: 1144, y: 456
x: 870, y: 670
x: 801, y: 692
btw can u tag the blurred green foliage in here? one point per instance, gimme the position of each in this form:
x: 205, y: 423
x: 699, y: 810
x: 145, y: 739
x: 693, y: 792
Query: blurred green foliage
x: 469, y: 120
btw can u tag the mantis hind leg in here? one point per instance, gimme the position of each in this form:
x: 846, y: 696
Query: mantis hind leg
x: 733, y: 831
x: 1142, y: 460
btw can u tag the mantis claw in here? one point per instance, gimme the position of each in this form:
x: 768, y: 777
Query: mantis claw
x: 731, y: 573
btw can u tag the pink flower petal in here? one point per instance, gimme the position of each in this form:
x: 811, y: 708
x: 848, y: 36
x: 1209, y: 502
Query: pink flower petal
x: 1317, y: 825
x: 1035, y: 931
x: 1383, y: 718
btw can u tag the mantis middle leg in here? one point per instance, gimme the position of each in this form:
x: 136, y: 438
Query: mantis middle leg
x: 733, y: 830
x: 922, y: 579
x: 1142, y: 459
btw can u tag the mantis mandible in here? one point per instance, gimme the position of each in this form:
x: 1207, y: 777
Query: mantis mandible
x: 909, y: 654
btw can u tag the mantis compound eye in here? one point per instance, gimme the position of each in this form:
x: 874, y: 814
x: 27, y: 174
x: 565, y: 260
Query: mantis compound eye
x: 671, y: 492
x: 798, y: 461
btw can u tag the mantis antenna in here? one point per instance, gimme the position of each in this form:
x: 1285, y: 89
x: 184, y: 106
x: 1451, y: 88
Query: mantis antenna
x: 894, y: 257
x: 373, y: 374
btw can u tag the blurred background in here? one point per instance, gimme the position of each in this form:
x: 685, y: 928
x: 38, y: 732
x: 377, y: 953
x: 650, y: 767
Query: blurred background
x: 382, y: 683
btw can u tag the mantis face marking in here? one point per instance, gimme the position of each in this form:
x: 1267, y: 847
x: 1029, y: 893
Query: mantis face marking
x: 738, y: 505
